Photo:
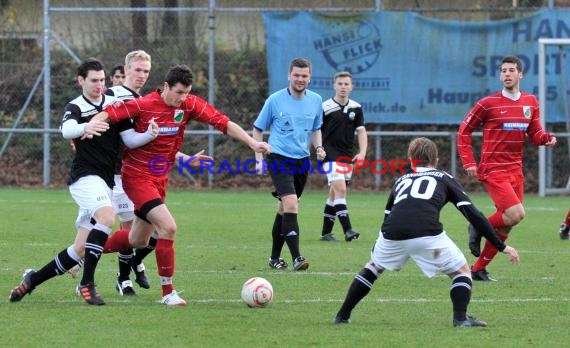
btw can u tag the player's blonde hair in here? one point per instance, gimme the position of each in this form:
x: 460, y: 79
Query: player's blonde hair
x: 424, y: 150
x: 136, y: 55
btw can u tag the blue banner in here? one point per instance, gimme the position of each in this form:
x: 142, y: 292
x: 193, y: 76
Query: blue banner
x: 411, y: 69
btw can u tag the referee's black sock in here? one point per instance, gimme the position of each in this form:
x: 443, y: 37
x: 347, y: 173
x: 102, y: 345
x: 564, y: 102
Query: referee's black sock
x: 93, y: 250
x: 277, y: 237
x: 460, y: 294
x: 290, y: 230
x: 359, y: 288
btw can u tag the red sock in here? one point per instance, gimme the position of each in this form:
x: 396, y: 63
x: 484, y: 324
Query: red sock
x: 496, y: 220
x: 489, y: 252
x: 117, y: 241
x: 165, y: 262
x: 567, y: 220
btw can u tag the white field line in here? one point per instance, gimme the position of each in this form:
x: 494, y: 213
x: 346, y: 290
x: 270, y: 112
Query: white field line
x: 151, y: 271
x: 399, y: 300
x: 191, y: 301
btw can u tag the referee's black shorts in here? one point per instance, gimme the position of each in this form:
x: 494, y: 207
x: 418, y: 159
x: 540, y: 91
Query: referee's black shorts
x: 289, y: 175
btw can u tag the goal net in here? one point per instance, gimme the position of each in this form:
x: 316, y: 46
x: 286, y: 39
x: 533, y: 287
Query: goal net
x: 554, y: 99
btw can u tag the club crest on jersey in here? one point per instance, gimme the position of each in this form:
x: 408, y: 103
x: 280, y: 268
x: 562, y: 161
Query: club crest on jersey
x: 351, y: 115
x: 526, y: 111
x: 178, y: 115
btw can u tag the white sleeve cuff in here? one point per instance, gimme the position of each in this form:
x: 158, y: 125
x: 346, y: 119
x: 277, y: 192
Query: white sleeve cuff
x: 70, y: 129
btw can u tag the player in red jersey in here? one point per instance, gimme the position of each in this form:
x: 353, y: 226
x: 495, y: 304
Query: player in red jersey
x: 507, y: 117
x: 145, y: 172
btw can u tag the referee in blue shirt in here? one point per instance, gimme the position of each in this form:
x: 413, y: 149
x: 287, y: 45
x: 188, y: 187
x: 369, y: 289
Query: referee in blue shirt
x: 293, y: 116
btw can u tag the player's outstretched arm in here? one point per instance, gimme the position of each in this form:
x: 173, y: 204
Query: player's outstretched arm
x: 97, y: 125
x: 238, y: 133
x: 257, y: 135
x: 194, y: 160
x: 103, y: 116
x: 513, y: 253
x: 133, y: 139
x: 70, y: 129
x: 481, y: 224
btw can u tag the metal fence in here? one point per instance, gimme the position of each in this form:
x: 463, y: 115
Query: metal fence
x: 222, y: 43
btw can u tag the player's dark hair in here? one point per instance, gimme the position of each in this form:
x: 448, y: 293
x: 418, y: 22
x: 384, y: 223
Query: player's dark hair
x: 300, y: 63
x: 179, y: 74
x: 88, y: 65
x: 514, y: 60
x: 424, y: 150
x: 342, y: 74
x: 119, y: 67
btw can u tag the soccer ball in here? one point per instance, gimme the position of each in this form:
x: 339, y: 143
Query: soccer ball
x: 257, y: 292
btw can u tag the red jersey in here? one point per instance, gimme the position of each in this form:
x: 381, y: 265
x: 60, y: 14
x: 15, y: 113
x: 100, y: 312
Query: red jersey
x: 505, y: 123
x: 171, y: 121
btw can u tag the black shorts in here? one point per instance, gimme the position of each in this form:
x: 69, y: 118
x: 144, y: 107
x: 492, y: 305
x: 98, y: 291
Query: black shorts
x: 289, y: 175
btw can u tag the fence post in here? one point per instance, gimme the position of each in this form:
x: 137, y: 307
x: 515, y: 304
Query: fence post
x: 453, y: 159
x: 47, y: 96
x: 211, y: 76
x: 378, y: 151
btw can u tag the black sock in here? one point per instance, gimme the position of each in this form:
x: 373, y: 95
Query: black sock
x: 125, y: 258
x: 329, y: 216
x: 342, y: 215
x: 277, y: 237
x: 93, y: 250
x: 58, y: 266
x: 290, y: 230
x: 359, y: 288
x: 460, y: 294
x: 140, y: 254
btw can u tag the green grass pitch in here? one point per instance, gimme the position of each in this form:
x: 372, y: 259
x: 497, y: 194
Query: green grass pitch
x: 224, y: 238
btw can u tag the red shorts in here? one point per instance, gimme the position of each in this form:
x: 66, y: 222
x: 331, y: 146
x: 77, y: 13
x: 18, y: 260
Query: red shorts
x: 505, y: 190
x: 141, y: 189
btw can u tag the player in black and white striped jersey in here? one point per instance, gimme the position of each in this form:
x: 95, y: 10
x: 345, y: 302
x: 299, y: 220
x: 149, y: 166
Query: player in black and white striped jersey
x: 91, y: 181
x: 136, y: 71
x: 342, y: 117
x: 421, y: 195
